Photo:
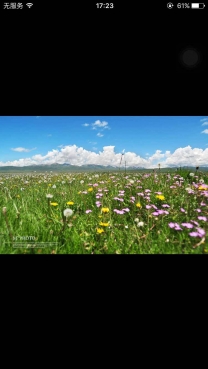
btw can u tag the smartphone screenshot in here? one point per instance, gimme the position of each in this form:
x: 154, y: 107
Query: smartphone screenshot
x: 103, y: 128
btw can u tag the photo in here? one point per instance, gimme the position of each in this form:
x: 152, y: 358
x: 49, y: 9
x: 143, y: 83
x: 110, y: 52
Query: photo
x: 104, y: 185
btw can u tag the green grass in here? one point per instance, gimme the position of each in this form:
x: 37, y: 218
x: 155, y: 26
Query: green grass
x: 31, y: 219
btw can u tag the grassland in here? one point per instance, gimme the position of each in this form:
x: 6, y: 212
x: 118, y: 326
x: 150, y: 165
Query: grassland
x: 104, y: 213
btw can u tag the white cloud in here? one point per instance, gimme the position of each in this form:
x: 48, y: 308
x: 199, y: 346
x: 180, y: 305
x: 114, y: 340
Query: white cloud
x: 49, y: 135
x: 38, y: 116
x: 79, y: 156
x: 22, y: 149
x: 205, y: 131
x: 100, y: 135
x: 205, y: 124
x: 97, y: 125
x: 204, y: 119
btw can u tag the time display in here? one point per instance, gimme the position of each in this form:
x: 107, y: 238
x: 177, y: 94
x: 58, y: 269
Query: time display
x: 105, y: 5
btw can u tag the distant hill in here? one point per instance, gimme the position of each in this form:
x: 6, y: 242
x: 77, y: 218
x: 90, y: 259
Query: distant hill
x: 88, y: 168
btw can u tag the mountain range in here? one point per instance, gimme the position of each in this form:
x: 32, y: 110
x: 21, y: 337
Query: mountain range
x: 86, y: 168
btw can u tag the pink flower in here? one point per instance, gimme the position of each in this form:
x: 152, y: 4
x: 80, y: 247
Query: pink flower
x: 202, y: 218
x: 187, y: 225
x: 126, y: 209
x: 183, y: 211
x: 88, y: 211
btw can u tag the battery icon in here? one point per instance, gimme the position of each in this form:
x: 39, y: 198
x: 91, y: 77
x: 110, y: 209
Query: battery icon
x: 197, y: 5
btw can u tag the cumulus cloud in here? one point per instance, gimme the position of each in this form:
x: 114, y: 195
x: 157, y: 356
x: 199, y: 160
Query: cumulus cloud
x: 205, y: 131
x: 204, y: 119
x: 97, y: 125
x: 186, y: 156
x: 22, y: 149
x: 205, y: 124
x: 100, y: 134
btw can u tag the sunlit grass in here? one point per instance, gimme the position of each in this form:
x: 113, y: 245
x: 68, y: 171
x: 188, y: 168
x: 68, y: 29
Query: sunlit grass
x: 105, y: 213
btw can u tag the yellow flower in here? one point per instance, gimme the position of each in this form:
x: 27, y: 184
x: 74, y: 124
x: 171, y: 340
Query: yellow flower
x: 160, y: 197
x: 100, y: 230
x: 105, y: 210
x: 50, y: 184
x: 138, y: 205
x: 79, y: 192
x: 90, y: 189
x: 202, y: 188
x: 54, y: 203
x: 104, y: 224
x: 70, y: 203
x: 99, y: 216
x: 18, y: 196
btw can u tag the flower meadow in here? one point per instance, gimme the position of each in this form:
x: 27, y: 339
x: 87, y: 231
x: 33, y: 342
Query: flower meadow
x: 104, y: 213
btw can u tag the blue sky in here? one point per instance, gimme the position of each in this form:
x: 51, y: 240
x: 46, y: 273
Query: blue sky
x: 147, y: 140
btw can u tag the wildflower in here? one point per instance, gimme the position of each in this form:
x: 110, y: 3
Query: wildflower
x: 198, y: 210
x: 126, y: 209
x: 191, y: 174
x: 187, y: 225
x: 104, y: 224
x: 155, y: 213
x: 4, y: 210
x: 136, y: 220
x: 203, y: 218
x: 67, y: 212
x: 201, y: 232
x: 49, y: 196
x: 140, y: 224
x: 100, y: 230
x: 148, y: 206
x: 171, y: 225
x: 54, y: 203
x: 54, y: 186
x: 88, y: 211
x: 201, y: 181
x: 138, y: 205
x: 70, y: 203
x: 193, y: 221
x: 82, y: 182
x: 118, y: 211
x: 183, y: 211
x: 204, y: 187
x: 105, y: 210
x: 90, y: 189
x: 165, y: 206
x: 160, y: 197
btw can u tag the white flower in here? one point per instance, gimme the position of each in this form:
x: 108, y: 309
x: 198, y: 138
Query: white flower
x: 191, y: 174
x: 49, y: 196
x: 140, y: 224
x: 126, y: 226
x: 63, y: 182
x: 96, y: 175
x: 136, y: 220
x: 68, y: 213
x: 81, y: 182
x: 54, y: 186
x: 131, y: 181
x: 4, y: 210
x: 201, y: 181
